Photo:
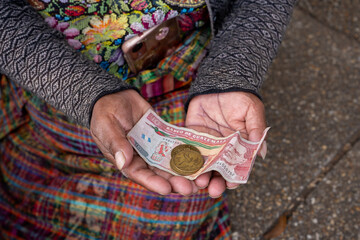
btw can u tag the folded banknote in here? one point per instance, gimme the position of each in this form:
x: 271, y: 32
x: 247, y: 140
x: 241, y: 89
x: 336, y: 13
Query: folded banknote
x: 186, y: 152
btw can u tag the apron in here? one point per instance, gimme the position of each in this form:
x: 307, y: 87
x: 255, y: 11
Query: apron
x: 55, y: 183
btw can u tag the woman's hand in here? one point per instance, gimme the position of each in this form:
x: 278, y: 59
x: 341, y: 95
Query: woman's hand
x: 113, y: 117
x: 222, y: 114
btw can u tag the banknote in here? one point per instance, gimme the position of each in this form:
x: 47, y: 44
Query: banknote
x: 232, y: 156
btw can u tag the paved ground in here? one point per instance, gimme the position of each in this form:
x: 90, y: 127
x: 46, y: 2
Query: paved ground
x: 308, y: 187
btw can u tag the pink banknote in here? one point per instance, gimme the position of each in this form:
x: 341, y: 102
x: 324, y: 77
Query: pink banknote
x: 232, y: 156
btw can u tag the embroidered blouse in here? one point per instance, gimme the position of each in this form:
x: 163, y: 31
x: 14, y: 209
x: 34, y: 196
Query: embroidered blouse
x: 72, y: 58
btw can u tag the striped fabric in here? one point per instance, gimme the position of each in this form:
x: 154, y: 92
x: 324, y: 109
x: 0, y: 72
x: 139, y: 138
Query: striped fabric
x: 176, y: 70
x: 55, y: 184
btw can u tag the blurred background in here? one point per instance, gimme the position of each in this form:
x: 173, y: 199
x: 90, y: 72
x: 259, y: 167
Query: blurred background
x: 308, y: 187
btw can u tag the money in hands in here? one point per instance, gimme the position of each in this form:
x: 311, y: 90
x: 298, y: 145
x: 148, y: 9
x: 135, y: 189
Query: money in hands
x: 186, y: 152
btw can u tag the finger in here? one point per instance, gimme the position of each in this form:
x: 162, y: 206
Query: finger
x: 203, y: 180
x: 139, y: 172
x: 230, y: 185
x: 178, y: 184
x: 181, y: 185
x: 255, y: 124
x: 256, y: 136
x: 217, y: 185
x: 194, y: 187
x: 111, y: 136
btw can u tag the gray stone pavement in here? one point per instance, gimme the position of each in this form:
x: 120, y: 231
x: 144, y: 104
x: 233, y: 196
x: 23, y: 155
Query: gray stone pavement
x: 342, y: 15
x: 308, y: 186
x: 332, y: 210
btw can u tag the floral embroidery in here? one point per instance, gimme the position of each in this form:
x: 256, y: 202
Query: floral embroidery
x: 75, y: 11
x: 63, y: 27
x: 185, y: 3
x: 139, y: 4
x: 148, y: 21
x: 98, y: 28
x: 108, y: 29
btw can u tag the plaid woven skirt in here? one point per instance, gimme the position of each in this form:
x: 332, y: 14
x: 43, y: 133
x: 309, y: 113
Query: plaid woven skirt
x: 55, y: 183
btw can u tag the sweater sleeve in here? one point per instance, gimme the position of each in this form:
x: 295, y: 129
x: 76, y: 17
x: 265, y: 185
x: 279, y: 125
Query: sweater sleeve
x: 243, y: 47
x: 39, y: 59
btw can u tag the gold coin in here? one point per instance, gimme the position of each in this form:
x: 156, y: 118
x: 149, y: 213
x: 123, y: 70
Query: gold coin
x: 181, y: 148
x: 186, y: 162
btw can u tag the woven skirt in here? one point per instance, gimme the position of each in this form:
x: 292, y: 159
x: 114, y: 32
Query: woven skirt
x: 55, y: 183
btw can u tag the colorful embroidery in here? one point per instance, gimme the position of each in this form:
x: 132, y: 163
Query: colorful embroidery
x: 71, y: 190
x: 98, y: 28
x: 186, y: 3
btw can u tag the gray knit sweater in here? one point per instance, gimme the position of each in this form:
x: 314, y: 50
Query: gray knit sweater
x: 247, y: 34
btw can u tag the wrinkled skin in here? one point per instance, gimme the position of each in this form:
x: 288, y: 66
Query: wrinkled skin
x: 115, y: 114
x: 220, y: 115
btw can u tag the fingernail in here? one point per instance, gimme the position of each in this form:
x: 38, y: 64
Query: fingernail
x: 263, y: 150
x: 195, y: 188
x: 215, y: 196
x: 119, y: 160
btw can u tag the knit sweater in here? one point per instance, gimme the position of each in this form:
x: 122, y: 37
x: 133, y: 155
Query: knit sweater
x: 246, y: 33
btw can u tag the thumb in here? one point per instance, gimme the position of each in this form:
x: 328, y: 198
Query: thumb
x: 123, y: 152
x: 112, y: 142
x: 256, y: 125
x: 255, y: 135
x: 119, y: 146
